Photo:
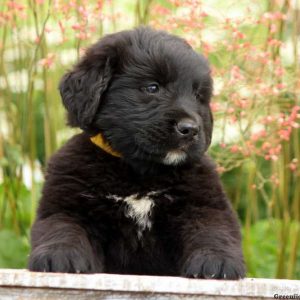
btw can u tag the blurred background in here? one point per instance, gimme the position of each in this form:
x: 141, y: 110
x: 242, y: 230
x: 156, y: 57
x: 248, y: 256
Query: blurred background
x: 253, y: 49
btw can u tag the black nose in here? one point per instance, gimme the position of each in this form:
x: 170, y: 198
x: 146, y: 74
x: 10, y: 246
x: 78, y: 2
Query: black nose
x: 187, y: 128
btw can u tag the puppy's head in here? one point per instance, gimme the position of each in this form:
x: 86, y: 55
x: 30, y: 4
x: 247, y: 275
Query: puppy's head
x: 147, y: 92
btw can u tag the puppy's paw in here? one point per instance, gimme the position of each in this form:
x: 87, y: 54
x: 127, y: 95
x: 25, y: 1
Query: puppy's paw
x: 62, y: 259
x: 213, y: 266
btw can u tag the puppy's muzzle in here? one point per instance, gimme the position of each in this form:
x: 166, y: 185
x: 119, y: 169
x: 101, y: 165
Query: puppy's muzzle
x: 186, y: 129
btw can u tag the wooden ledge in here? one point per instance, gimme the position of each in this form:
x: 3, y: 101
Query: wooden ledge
x: 22, y: 284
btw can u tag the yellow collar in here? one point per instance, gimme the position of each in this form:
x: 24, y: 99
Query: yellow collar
x: 101, y: 143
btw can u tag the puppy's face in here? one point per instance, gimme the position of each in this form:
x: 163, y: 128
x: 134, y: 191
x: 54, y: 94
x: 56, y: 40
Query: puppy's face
x: 147, y: 92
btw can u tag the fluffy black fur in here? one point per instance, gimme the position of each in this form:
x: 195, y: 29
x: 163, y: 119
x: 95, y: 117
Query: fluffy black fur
x: 148, y: 93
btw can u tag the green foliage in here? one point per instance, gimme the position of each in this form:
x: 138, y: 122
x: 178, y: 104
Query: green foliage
x: 14, y: 250
x: 261, y: 243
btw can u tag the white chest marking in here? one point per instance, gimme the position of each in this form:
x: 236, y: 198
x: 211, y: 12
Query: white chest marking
x: 139, y: 209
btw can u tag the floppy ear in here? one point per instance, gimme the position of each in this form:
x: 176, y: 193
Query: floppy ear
x: 82, y: 88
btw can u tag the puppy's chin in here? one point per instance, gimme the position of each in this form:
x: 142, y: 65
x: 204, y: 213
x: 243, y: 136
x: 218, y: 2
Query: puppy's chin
x: 180, y: 157
x: 175, y: 157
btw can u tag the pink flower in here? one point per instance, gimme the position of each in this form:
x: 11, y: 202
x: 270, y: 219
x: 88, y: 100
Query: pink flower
x: 273, y: 28
x: 266, y: 145
x: 238, y: 35
x: 14, y: 5
x: 215, y: 106
x: 274, y: 42
x: 293, y: 165
x: 76, y: 26
x: 234, y: 148
x: 230, y: 110
x: 281, y: 86
x: 236, y: 73
x: 284, y: 134
x: 48, y: 61
x: 274, y: 179
x: 279, y: 71
x: 256, y: 136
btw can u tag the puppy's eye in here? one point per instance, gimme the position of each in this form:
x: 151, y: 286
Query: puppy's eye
x: 199, y: 95
x: 152, y: 88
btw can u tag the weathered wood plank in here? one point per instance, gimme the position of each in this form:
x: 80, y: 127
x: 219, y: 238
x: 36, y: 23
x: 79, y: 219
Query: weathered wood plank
x: 21, y: 284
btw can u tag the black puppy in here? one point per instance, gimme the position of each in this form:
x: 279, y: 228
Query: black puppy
x: 135, y: 193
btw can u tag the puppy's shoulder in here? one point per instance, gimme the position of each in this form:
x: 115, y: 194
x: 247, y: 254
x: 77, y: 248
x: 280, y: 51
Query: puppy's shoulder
x: 77, y: 154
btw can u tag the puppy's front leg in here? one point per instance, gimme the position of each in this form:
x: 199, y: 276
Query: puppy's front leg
x: 59, y: 244
x: 212, y: 245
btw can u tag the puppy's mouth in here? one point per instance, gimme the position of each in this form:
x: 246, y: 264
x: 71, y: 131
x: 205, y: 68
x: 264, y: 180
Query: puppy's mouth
x: 185, y: 146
